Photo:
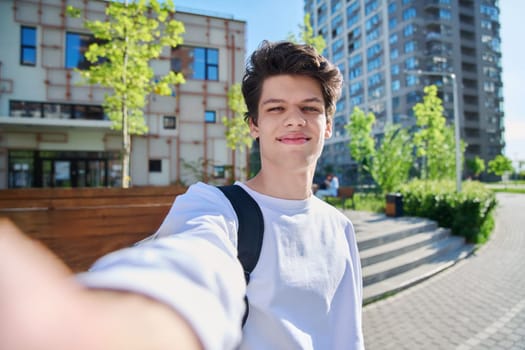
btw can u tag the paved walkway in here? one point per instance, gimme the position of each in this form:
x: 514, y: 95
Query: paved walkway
x: 477, y: 304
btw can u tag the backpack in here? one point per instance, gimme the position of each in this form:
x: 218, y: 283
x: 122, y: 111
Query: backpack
x: 250, y: 232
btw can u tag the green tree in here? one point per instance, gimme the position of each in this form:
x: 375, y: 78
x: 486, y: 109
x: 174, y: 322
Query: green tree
x: 134, y: 34
x: 306, y: 36
x: 361, y: 143
x: 500, y: 165
x: 393, y: 159
x: 434, y: 141
x: 476, y: 166
x: 237, y: 130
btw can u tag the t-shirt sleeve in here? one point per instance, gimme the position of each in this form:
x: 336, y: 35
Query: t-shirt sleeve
x: 189, y: 264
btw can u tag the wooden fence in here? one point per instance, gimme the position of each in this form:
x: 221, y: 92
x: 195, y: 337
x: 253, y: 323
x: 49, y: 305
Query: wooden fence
x: 82, y: 224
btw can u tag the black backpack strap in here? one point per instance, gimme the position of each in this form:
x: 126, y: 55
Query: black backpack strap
x: 251, y: 230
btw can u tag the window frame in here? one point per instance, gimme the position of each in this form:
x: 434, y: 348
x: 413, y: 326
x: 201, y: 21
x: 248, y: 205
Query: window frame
x: 196, y: 62
x: 169, y: 122
x: 28, y: 46
x: 82, y: 62
x: 155, y: 166
x: 210, y: 121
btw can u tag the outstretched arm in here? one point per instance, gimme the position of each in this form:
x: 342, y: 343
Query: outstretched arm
x: 42, y: 307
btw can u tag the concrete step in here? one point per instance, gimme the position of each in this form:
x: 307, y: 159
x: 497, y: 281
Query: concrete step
x: 394, y: 284
x: 382, y: 252
x: 399, y: 252
x: 409, y: 260
x: 393, y: 232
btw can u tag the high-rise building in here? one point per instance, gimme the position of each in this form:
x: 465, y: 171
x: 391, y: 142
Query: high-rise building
x: 54, y: 132
x: 388, y: 50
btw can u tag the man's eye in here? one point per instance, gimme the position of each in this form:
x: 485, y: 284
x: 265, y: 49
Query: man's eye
x: 275, y: 109
x: 310, y: 109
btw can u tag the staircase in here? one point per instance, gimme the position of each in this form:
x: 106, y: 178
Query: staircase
x: 397, y: 253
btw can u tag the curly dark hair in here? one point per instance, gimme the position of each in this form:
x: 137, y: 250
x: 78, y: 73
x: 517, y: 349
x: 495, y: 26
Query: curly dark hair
x: 283, y: 57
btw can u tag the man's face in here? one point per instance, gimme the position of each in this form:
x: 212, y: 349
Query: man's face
x: 292, y: 123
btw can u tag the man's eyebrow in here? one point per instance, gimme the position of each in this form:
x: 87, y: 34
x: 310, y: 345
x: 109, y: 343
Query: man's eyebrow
x: 313, y: 99
x: 278, y: 100
x: 272, y: 100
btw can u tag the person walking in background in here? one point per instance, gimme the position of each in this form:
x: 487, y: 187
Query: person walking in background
x: 185, y: 288
x: 331, y: 186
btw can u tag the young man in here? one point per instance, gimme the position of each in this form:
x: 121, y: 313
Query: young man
x: 185, y: 288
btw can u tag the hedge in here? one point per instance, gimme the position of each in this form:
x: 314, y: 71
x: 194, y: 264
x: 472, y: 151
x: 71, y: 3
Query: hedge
x: 468, y: 213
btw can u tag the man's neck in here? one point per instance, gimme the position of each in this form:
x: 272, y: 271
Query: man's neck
x: 283, y: 184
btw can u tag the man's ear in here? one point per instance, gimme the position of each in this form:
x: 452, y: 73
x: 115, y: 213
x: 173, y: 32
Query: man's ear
x: 328, y: 130
x: 254, y: 129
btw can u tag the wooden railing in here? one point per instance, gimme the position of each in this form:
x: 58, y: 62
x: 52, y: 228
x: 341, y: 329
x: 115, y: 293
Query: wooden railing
x: 80, y: 225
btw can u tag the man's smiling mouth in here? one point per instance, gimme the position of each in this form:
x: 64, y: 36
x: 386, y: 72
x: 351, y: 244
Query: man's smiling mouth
x: 294, y: 139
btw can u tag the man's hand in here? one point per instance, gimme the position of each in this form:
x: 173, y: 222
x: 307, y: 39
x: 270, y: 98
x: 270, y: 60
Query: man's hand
x: 43, y: 308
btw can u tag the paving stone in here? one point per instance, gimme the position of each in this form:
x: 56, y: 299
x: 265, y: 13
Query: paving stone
x: 479, y: 303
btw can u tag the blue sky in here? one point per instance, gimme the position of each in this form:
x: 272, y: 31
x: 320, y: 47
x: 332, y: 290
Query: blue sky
x: 275, y: 19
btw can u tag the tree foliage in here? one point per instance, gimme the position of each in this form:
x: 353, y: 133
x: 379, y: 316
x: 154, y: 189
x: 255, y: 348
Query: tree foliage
x: 434, y: 141
x: 306, y: 35
x: 393, y: 159
x: 237, y: 131
x: 361, y: 142
x: 500, y: 165
x: 133, y: 34
x: 476, y: 166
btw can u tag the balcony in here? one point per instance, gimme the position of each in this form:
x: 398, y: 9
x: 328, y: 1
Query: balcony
x: 29, y: 113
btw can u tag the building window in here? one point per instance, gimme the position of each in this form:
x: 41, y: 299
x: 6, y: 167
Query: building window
x: 210, y: 117
x: 371, y: 7
x: 336, y: 5
x: 373, y: 35
x: 76, y: 46
x: 355, y: 72
x: 356, y: 88
x: 373, y: 51
x: 352, y: 20
x: 410, y: 46
x: 155, y: 166
x: 396, y: 85
x: 392, y: 23
x: 411, y: 63
x: 409, y: 13
x: 409, y: 30
x: 394, y: 54
x: 196, y: 62
x: 355, y: 60
x: 394, y: 70
x: 392, y: 7
x: 219, y: 171
x: 393, y: 39
x: 170, y: 122
x: 28, y: 46
x: 376, y: 63
x: 337, y: 26
x: 55, y: 110
x: 322, y: 12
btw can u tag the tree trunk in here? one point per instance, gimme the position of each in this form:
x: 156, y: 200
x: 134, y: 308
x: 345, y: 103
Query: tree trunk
x: 126, y: 148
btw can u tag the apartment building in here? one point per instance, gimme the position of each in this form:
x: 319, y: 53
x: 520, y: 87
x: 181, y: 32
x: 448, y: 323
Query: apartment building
x: 388, y: 50
x: 53, y: 130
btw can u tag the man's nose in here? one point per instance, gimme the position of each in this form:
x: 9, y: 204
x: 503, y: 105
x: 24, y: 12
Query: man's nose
x: 295, y: 117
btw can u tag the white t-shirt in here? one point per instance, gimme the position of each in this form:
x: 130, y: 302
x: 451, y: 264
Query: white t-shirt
x: 304, y: 293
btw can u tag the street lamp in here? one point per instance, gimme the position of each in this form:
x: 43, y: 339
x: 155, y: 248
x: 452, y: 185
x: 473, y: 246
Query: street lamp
x: 456, y: 118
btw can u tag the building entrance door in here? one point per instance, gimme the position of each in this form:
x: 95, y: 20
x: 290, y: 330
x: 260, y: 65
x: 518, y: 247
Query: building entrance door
x: 74, y: 172
x: 63, y: 169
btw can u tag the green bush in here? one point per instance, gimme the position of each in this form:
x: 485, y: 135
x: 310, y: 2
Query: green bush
x: 468, y: 213
x: 373, y: 202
